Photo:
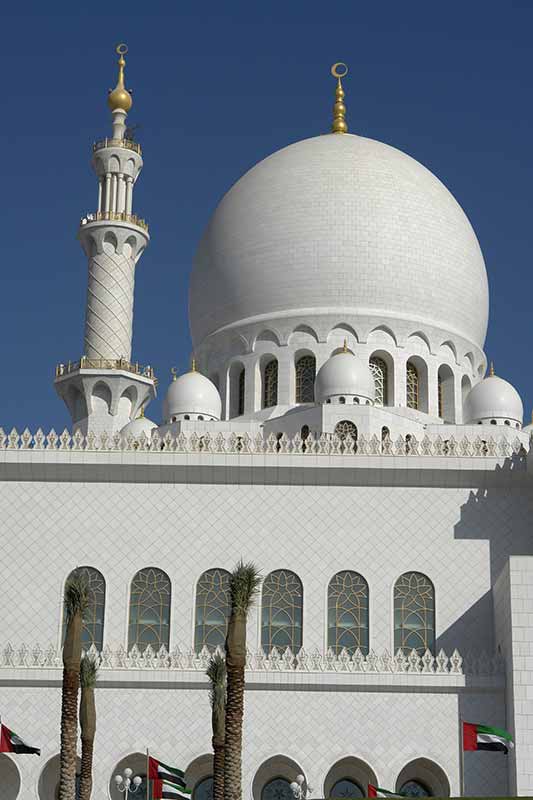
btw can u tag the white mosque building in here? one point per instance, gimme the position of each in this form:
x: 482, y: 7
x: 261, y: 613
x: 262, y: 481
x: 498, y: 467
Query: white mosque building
x: 339, y: 428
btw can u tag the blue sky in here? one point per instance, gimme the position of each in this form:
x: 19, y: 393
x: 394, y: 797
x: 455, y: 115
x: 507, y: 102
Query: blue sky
x: 216, y: 88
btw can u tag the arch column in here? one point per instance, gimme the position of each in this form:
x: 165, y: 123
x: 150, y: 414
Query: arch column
x: 286, y: 383
x: 252, y: 385
x: 399, y: 380
x: 433, y: 387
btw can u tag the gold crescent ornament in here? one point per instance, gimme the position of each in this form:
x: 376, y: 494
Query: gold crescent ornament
x: 335, y: 70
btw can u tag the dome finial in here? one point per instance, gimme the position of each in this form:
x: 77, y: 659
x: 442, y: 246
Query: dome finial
x: 193, y: 365
x: 141, y: 412
x: 120, y: 99
x: 491, y: 370
x: 174, y: 373
x: 339, y: 70
x: 345, y: 346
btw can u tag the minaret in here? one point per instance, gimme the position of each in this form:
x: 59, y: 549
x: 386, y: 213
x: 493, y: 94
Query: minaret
x: 104, y: 390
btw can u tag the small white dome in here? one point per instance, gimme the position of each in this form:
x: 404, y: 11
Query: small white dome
x: 192, y: 395
x: 493, y: 399
x: 138, y: 426
x: 344, y: 376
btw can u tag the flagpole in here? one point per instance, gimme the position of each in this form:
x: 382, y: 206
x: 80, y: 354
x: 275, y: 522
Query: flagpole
x: 147, y: 774
x: 462, y: 761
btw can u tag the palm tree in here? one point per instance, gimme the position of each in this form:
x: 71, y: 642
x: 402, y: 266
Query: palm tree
x: 88, y: 675
x: 76, y: 600
x: 244, y: 585
x: 216, y: 672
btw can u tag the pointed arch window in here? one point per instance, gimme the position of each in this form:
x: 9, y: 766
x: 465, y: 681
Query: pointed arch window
x: 348, y: 612
x: 240, y: 405
x: 412, y: 385
x: 379, y: 370
x: 270, y: 384
x: 93, y: 623
x: 212, y: 609
x: 305, y: 379
x: 346, y: 430
x: 149, y: 621
x: 281, y: 611
x: 414, y: 613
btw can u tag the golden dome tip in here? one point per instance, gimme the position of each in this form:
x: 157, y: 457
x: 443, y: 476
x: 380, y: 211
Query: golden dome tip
x: 339, y: 70
x: 119, y: 98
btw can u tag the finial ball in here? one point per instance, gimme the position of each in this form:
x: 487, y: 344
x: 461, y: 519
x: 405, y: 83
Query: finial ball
x: 339, y: 70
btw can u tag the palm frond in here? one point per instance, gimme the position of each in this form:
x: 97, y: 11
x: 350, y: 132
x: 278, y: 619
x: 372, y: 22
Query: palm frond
x: 76, y: 597
x: 216, y: 672
x: 244, y: 585
x: 88, y: 672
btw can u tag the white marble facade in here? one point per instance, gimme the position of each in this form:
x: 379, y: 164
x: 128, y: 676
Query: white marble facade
x: 332, y: 250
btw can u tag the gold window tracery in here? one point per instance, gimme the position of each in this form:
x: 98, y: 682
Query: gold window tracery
x: 149, y: 619
x: 413, y: 386
x: 93, y: 621
x: 305, y: 379
x: 270, y: 384
x: 281, y: 611
x: 213, y: 607
x: 414, y: 613
x: 348, y: 612
x: 379, y: 370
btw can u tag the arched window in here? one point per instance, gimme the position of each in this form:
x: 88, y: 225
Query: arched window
x: 414, y: 613
x: 345, y: 429
x: 203, y: 789
x: 277, y: 789
x: 212, y: 609
x: 414, y: 789
x: 281, y: 611
x: 240, y: 405
x: 305, y: 379
x: 380, y: 372
x: 348, y: 612
x: 149, y: 622
x: 93, y: 623
x: 270, y: 384
x: 413, y: 393
x: 440, y: 395
x: 346, y: 787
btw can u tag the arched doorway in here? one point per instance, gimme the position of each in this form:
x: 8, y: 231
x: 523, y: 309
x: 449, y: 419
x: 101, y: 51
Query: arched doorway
x: 349, y: 777
x: 9, y: 778
x: 137, y: 763
x: 273, y: 779
x: 423, y: 778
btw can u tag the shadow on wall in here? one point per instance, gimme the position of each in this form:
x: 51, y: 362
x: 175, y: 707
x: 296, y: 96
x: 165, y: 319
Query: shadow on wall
x: 498, y: 512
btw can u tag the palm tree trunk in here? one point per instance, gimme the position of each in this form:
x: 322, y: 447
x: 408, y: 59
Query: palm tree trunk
x: 235, y: 664
x: 218, y: 769
x: 86, y: 775
x: 69, y: 708
x: 69, y: 735
x: 88, y: 732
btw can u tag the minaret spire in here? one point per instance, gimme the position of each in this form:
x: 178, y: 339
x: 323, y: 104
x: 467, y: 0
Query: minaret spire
x: 339, y: 70
x: 105, y: 389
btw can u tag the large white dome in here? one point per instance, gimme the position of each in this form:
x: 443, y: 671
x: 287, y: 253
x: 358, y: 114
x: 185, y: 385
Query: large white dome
x: 340, y: 224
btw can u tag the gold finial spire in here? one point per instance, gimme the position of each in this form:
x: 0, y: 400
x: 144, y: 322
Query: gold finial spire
x: 141, y: 413
x: 491, y: 370
x: 339, y: 70
x: 193, y: 365
x: 120, y: 99
x: 174, y: 372
x: 345, y: 346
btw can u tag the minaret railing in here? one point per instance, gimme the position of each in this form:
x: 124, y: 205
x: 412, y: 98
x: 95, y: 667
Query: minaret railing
x: 127, y: 144
x: 114, y: 216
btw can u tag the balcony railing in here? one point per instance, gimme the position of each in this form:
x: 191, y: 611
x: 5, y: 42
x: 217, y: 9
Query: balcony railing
x: 105, y: 363
x: 114, y: 216
x: 128, y: 144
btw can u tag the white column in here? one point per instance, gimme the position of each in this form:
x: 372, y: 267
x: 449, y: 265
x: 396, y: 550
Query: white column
x: 113, y: 193
x: 121, y: 193
x: 129, y: 195
x: 107, y: 199
x: 433, y: 387
x: 100, y: 191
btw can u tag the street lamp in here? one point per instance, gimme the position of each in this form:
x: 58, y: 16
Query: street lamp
x: 126, y: 785
x: 299, y: 791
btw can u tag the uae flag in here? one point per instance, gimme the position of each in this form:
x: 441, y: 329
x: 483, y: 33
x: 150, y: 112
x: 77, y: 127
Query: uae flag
x: 481, y: 737
x: 166, y: 781
x: 11, y: 743
x: 376, y: 791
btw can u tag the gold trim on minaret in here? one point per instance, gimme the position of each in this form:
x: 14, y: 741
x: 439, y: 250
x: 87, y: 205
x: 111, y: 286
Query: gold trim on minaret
x: 120, y: 99
x: 339, y: 70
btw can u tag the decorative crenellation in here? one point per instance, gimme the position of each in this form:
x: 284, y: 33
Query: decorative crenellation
x: 35, y: 657
x: 243, y: 444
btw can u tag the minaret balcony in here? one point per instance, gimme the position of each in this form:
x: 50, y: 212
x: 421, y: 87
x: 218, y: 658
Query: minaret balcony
x: 105, y: 364
x: 127, y: 144
x: 114, y: 216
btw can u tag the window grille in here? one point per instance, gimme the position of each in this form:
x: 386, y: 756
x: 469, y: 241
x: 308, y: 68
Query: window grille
x: 412, y: 386
x: 277, y: 789
x: 348, y: 612
x: 379, y: 370
x: 305, y: 379
x: 346, y: 430
x: 149, y: 622
x: 281, y: 611
x: 213, y: 608
x: 270, y: 384
x: 93, y: 621
x: 240, y: 408
x: 348, y: 788
x: 414, y: 613
x: 203, y: 789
